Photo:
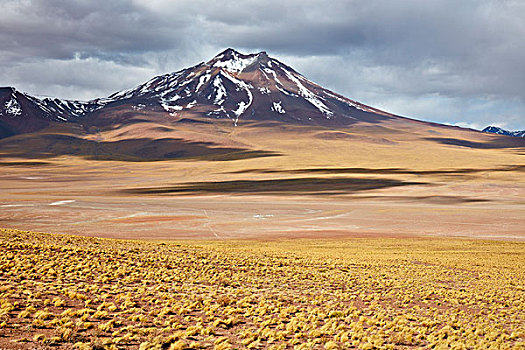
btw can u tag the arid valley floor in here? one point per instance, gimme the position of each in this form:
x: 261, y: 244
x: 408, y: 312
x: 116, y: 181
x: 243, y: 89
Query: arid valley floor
x: 366, y: 237
x: 292, y: 182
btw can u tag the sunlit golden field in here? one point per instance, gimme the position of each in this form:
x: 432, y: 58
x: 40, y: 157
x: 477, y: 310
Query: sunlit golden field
x: 92, y: 293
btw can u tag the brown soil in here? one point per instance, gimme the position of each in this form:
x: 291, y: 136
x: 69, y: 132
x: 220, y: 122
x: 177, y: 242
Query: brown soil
x: 141, y: 220
x: 303, y: 186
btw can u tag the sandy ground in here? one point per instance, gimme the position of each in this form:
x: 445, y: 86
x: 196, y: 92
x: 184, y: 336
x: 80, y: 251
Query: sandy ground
x: 388, y: 180
x: 86, y: 201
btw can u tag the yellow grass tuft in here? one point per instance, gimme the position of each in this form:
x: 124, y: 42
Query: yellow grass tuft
x: 332, y: 294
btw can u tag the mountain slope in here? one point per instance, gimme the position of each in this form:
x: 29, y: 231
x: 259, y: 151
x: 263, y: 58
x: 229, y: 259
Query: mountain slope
x: 21, y: 113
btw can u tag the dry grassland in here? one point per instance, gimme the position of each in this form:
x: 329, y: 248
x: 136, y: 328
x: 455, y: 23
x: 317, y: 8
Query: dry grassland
x: 91, y: 293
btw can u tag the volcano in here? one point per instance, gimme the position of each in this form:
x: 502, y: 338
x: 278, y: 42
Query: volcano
x: 231, y: 90
x: 230, y: 86
x: 247, y: 87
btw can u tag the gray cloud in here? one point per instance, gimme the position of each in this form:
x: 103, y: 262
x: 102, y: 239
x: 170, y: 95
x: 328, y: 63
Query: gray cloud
x: 446, y: 61
x: 61, y: 28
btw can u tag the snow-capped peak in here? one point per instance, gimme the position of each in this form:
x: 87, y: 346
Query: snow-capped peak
x: 242, y: 86
x: 231, y: 85
x: 12, y: 107
x: 500, y: 131
x: 234, y: 61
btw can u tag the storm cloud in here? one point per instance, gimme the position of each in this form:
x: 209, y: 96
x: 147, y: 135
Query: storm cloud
x: 456, y: 62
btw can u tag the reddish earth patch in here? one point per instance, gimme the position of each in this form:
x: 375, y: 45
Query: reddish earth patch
x: 147, y: 219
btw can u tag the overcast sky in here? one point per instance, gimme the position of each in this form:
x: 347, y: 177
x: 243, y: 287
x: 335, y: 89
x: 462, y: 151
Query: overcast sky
x: 455, y: 62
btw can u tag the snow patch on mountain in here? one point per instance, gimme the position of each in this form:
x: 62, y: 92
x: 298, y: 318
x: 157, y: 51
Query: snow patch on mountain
x: 241, y: 106
x: 12, y: 107
x: 277, y: 107
x: 174, y: 98
x: 123, y: 95
x: 202, y: 80
x: 309, y: 96
x: 264, y: 90
x: 172, y: 110
x: 236, y: 64
x: 220, y: 91
x: 270, y: 71
x: 64, y: 109
x: 500, y: 131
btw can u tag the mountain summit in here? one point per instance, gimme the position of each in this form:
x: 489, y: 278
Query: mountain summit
x: 247, y: 87
x: 231, y: 85
x: 500, y: 131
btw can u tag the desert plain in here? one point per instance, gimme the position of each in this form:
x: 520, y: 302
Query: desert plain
x: 377, y: 236
x: 272, y: 181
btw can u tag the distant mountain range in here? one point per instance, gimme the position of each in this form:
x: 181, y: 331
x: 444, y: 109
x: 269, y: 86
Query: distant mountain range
x: 500, y: 131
